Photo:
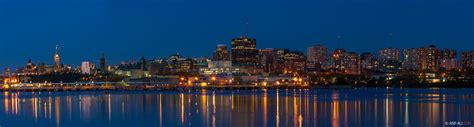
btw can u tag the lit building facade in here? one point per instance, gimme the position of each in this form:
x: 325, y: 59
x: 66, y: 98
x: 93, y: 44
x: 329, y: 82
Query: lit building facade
x: 411, y: 60
x: 448, y: 59
x: 221, y: 53
x: 338, y: 57
x: 293, y: 62
x: 317, y: 53
x: 389, y: 54
x: 467, y: 60
x: 102, y: 63
x: 368, y: 61
x: 351, y: 63
x: 244, y: 52
x: 86, y: 67
x: 428, y: 57
x: 268, y: 60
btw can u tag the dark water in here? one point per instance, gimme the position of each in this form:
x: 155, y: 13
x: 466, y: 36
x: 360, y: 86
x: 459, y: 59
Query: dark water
x: 319, y: 107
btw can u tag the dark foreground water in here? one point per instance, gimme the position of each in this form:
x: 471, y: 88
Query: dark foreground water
x: 318, y: 107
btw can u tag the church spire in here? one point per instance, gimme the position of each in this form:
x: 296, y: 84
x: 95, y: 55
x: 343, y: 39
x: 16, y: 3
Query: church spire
x: 57, y: 65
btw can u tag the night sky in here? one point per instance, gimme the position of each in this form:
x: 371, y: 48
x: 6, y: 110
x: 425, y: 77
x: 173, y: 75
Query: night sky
x: 129, y: 29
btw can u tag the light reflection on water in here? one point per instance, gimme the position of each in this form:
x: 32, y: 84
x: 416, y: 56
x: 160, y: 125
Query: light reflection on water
x: 264, y: 108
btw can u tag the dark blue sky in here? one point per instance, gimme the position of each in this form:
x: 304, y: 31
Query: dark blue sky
x: 128, y: 29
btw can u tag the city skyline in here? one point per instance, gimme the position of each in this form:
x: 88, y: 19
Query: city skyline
x: 101, y: 55
x: 126, y: 30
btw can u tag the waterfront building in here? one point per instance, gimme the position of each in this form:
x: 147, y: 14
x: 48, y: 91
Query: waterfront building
x: 449, y: 64
x: 244, y: 52
x: 221, y: 53
x: 102, y: 63
x: 368, y: 61
x: 86, y: 67
x: 338, y: 57
x: 174, y: 62
x: 447, y: 54
x: 268, y: 60
x: 294, y: 62
x: 219, y: 68
x: 316, y: 55
x: 429, y: 58
x: 187, y: 65
x: 467, y: 60
x: 351, y: 63
x: 57, y: 64
x: 389, y: 54
x: 30, y: 69
x: 411, y: 60
x: 447, y: 59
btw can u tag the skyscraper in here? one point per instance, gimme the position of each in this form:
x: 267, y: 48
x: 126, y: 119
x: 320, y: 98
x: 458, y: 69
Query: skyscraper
x: 387, y: 54
x: 447, y: 59
x: 429, y: 58
x: 86, y: 67
x: 467, y: 59
x: 221, y: 53
x: 57, y: 64
x: 338, y: 58
x: 244, y: 52
x: 351, y: 63
x: 411, y: 60
x: 317, y: 53
x: 268, y: 59
x: 102, y: 62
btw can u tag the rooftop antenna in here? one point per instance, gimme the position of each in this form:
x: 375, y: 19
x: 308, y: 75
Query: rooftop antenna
x: 246, y: 27
x: 390, y: 40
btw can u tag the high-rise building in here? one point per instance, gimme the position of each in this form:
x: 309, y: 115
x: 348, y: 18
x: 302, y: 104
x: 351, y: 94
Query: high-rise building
x: 467, y: 59
x: 447, y: 54
x: 429, y: 58
x: 244, y: 52
x: 143, y: 66
x: 221, y: 53
x: 411, y: 60
x: 317, y: 53
x: 351, y: 63
x: 368, y: 61
x: 449, y: 64
x: 389, y: 54
x: 86, y: 67
x: 338, y: 57
x: 57, y: 64
x: 447, y: 59
x: 102, y: 62
x: 268, y: 60
x: 294, y: 62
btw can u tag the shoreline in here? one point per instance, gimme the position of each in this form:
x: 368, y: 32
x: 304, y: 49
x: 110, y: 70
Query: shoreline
x: 211, y: 87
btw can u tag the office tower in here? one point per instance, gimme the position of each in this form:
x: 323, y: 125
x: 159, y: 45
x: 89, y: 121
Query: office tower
x: 86, y: 67
x: 221, y: 53
x: 244, y: 52
x: 386, y: 54
x: 467, y: 60
x: 317, y: 53
x: 268, y: 60
x: 338, y: 58
x: 351, y: 63
x: 411, y: 60
x: 102, y: 62
x: 429, y: 58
